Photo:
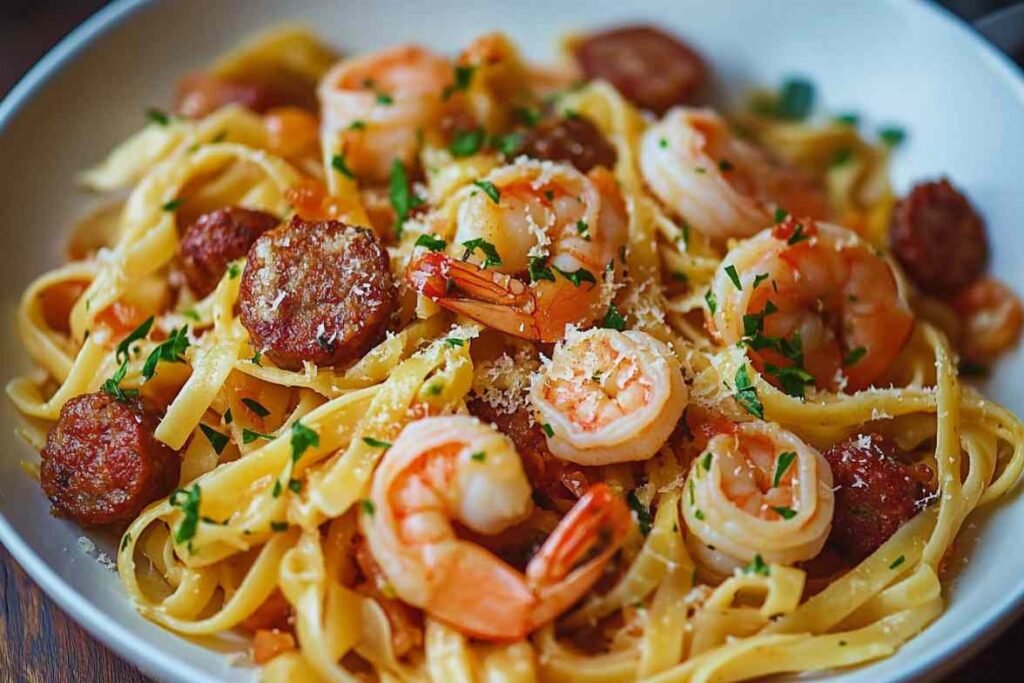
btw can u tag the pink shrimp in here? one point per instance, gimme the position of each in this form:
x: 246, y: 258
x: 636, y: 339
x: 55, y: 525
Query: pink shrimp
x: 553, y: 235
x: 376, y: 106
x: 445, y: 468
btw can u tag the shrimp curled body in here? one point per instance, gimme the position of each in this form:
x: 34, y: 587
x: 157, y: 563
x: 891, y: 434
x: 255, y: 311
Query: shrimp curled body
x: 721, y: 185
x: 442, y: 469
x: 377, y: 106
x: 812, y: 295
x: 757, y: 490
x: 555, y: 233
x: 609, y: 397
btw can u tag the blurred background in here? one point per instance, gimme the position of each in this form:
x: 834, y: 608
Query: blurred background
x: 29, y: 28
x: 36, y: 640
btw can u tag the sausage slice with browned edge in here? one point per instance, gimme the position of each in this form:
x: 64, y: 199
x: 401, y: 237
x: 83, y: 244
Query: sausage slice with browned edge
x: 316, y: 291
x: 651, y: 69
x: 102, y: 464
x: 876, y: 493
x: 215, y: 239
x: 574, y: 139
x: 939, y: 238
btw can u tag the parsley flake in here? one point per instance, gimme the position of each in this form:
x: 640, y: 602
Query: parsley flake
x: 897, y: 562
x: 746, y: 394
x: 490, y: 252
x: 577, y: 276
x: 489, y: 189
x: 375, y: 443
x: 796, y: 99
x: 854, y: 356
x: 613, y: 320
x: 640, y: 511
x: 255, y: 406
x: 757, y: 566
x: 431, y: 242
x: 547, y: 429
x: 781, y: 465
x: 188, y: 502
x: 784, y: 512
x: 466, y: 143
x: 730, y: 270
x: 339, y: 164
x: 216, y: 439
x: 402, y: 198
x: 169, y: 350
x: 302, y: 438
x: 538, y: 269
x: 249, y: 435
x: 172, y: 205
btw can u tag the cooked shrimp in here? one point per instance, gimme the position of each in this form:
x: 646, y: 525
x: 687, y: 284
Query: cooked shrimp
x: 379, y: 104
x: 609, y: 397
x: 554, y: 235
x: 757, y: 490
x: 812, y: 298
x: 442, y: 469
x: 721, y: 185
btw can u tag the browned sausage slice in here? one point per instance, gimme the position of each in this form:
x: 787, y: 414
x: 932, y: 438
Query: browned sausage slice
x: 876, y: 493
x: 575, y: 139
x: 101, y: 463
x: 651, y: 69
x: 217, y: 238
x: 939, y: 238
x: 314, y: 291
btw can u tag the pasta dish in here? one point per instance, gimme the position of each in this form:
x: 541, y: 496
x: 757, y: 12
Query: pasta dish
x: 406, y: 366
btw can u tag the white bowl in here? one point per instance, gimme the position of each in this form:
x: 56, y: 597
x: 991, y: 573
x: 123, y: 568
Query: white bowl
x: 961, y: 102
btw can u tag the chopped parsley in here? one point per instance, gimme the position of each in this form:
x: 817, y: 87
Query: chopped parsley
x: 172, y: 205
x: 798, y: 235
x: 897, y: 562
x: 248, y: 436
x: 479, y: 456
x: 158, y: 117
x: 170, y: 350
x: 578, y: 276
x: 758, y: 279
x: 255, y: 406
x: 228, y: 417
x: 216, y: 439
x: 853, y: 356
x: 431, y: 242
x: 367, y: 506
x: 796, y: 99
x: 508, y: 144
x: 709, y: 297
x: 294, y: 485
x: 538, y: 269
x: 784, y: 512
x: 640, y: 511
x: 892, y: 136
x: 375, y: 443
x: 384, y: 98
x: 547, y: 429
x: 402, y: 198
x: 848, y: 119
x: 125, y: 540
x: 842, y: 157
x: 528, y: 115
x: 339, y: 164
x: 780, y: 214
x: 191, y: 314
x: 279, y: 526
x: 234, y: 271
x: 489, y: 189
x: 112, y: 386
x: 121, y: 353
x: 730, y: 270
x: 746, y: 394
x: 613, y: 320
x: 302, y: 438
x: 188, y: 502
x: 757, y: 566
x: 455, y: 341
x: 466, y: 143
x: 257, y: 358
x: 277, y: 489
x: 358, y: 124
x: 663, y: 143
x: 781, y: 465
x: 583, y: 229
x: 725, y: 166
x: 705, y: 462
x: 699, y: 514
x: 490, y: 252
x: 462, y: 77
x: 793, y: 379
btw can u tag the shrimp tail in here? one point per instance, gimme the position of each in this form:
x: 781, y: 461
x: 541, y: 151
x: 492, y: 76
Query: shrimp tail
x: 574, y: 555
x: 487, y: 296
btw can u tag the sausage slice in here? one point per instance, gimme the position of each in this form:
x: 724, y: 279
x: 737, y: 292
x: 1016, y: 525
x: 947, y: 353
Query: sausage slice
x: 101, y: 464
x: 215, y: 239
x: 939, y: 238
x: 651, y: 69
x: 575, y: 140
x: 876, y: 493
x: 316, y: 291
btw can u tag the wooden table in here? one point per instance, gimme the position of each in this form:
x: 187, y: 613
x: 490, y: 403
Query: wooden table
x: 38, y: 643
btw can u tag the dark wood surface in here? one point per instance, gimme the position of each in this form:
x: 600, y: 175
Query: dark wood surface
x: 38, y: 642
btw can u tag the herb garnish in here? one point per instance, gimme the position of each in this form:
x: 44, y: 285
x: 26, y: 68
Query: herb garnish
x: 490, y: 252
x: 249, y: 435
x: 577, y: 276
x: 757, y: 566
x: 188, y: 501
x: 170, y: 350
x: 489, y: 189
x: 746, y: 394
x: 641, y: 511
x: 613, y: 320
x: 216, y: 439
x: 538, y: 269
x: 431, y: 242
x: 375, y: 443
x: 784, y: 512
x: 466, y: 143
x: 302, y: 438
x: 781, y: 465
x: 255, y: 406
x: 339, y: 164
x: 402, y: 198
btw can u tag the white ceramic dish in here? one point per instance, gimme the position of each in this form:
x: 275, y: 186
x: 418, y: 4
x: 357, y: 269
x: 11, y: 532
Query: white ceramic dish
x: 905, y: 62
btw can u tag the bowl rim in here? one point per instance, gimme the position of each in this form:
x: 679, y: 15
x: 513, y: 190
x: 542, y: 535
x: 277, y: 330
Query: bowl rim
x: 136, y: 651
